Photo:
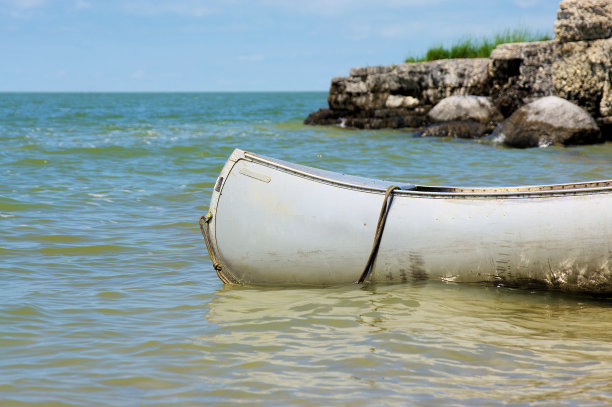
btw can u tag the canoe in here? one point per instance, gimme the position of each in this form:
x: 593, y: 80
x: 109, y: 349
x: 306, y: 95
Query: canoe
x: 272, y: 222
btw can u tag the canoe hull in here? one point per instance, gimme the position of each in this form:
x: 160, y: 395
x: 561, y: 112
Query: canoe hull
x: 275, y: 224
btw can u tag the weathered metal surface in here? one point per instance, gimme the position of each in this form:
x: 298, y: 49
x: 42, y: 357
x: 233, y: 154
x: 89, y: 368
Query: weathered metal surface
x: 276, y: 223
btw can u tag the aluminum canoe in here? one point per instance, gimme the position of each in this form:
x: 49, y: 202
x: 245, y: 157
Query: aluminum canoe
x: 273, y: 222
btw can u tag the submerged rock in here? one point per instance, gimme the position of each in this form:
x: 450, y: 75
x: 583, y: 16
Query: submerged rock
x: 468, y: 129
x: 323, y: 117
x: 548, y: 121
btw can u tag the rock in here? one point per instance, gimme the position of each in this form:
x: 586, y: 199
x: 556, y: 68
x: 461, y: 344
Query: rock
x: 548, y: 121
x: 582, y: 73
x: 384, y: 119
x: 394, y: 101
x: 323, y: 117
x: 411, y: 89
x: 583, y: 20
x: 428, y: 82
x: 432, y: 81
x: 520, y: 72
x: 605, y: 106
x: 477, y: 108
x: 370, y: 70
x: 605, y: 125
x: 577, y: 66
x: 468, y: 129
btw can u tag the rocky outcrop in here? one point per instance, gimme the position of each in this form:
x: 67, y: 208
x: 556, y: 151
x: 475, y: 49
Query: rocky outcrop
x: 520, y: 72
x: 583, y: 20
x: 582, y: 73
x: 576, y: 66
x: 548, y: 121
x: 399, y: 96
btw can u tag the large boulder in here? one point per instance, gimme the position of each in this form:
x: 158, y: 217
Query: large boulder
x: 583, y: 20
x: 548, y: 121
x: 478, y: 108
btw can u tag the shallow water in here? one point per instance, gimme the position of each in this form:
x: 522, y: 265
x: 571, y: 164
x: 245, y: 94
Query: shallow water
x: 108, y: 297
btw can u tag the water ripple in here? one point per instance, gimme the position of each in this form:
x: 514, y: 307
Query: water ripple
x: 109, y: 297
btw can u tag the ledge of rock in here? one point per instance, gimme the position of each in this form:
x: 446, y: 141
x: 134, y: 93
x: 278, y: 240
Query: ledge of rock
x: 399, y: 96
x: 583, y: 20
x: 582, y: 74
x: 520, y: 72
x: 548, y: 121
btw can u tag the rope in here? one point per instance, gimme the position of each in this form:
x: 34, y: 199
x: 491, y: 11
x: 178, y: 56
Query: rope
x: 382, y: 219
x: 206, y: 235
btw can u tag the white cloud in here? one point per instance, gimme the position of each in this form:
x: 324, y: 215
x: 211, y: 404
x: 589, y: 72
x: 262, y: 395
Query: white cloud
x: 138, y: 74
x: 358, y: 32
x: 82, y: 4
x: 21, y: 8
x: 23, y: 4
x: 185, y: 8
x: 396, y: 31
x: 251, y: 58
x: 527, y: 3
x: 334, y: 8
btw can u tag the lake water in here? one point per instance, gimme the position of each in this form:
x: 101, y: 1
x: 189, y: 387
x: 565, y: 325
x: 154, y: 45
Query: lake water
x: 107, y: 295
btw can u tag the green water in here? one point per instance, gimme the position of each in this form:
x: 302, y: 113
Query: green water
x: 108, y: 297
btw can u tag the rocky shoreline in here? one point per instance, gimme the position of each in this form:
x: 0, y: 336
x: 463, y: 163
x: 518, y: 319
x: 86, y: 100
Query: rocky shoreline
x: 526, y: 94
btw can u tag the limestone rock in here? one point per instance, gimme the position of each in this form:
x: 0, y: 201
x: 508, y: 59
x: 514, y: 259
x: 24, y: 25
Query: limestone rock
x: 577, y: 66
x: 428, y: 82
x: 467, y: 129
x: 394, y: 101
x: 323, y: 117
x: 583, y: 20
x: 432, y: 81
x: 582, y: 73
x: 605, y: 125
x: 605, y: 106
x: 548, y: 121
x: 477, y: 108
x: 520, y: 73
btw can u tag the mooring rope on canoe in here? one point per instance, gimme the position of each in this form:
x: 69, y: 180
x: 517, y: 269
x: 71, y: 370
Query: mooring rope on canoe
x: 204, y: 220
x: 382, y: 219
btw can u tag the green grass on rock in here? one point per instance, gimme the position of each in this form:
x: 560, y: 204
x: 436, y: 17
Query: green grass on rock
x: 469, y: 47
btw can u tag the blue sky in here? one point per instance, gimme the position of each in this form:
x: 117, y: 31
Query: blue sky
x: 232, y: 45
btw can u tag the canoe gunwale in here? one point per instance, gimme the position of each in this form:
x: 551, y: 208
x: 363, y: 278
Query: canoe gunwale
x: 379, y: 186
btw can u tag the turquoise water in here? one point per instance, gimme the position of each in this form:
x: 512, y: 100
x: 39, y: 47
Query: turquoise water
x: 108, y: 297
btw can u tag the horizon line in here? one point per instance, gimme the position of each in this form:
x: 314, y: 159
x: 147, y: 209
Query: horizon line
x: 162, y: 91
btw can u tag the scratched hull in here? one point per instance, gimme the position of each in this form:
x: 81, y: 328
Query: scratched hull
x: 276, y: 223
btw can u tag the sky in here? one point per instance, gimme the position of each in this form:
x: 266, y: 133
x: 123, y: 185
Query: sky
x: 232, y: 45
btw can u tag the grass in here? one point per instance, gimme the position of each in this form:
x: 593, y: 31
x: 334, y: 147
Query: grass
x: 470, y: 47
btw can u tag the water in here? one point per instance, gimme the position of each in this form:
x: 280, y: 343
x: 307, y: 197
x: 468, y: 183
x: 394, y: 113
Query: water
x: 108, y: 297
